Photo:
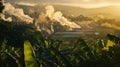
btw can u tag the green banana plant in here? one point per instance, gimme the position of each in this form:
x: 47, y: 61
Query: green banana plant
x: 30, y: 60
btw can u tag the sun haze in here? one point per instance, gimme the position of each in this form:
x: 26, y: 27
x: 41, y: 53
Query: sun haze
x: 79, y: 3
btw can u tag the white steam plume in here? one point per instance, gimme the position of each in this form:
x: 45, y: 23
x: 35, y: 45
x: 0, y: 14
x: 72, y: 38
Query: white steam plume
x: 2, y: 16
x: 50, y: 11
x: 19, y: 13
x: 58, y: 16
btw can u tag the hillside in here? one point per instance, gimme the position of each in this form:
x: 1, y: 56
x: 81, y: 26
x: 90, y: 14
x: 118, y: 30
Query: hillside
x: 109, y: 11
x: 101, y: 25
x: 53, y: 21
x: 58, y: 35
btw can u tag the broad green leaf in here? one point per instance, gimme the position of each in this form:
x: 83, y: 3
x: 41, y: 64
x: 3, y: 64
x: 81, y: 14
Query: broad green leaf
x: 109, y: 44
x: 46, y: 44
x: 29, y: 57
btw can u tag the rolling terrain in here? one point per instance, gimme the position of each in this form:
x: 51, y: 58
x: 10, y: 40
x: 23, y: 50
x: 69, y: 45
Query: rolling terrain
x: 109, y: 11
x: 104, y: 20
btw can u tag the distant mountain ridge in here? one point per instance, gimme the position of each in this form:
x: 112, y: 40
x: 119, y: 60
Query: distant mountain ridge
x: 70, y: 11
x: 31, y: 1
x: 109, y: 11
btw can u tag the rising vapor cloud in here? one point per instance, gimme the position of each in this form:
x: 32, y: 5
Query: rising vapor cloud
x: 58, y: 16
x: 16, y: 12
x: 2, y: 16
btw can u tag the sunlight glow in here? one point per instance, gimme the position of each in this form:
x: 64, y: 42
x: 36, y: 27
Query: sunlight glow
x: 78, y: 3
x: 27, y: 4
x: 85, y: 5
x: 86, y: 0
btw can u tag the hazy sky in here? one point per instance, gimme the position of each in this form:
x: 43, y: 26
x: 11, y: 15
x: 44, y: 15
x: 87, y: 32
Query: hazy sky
x: 82, y: 3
